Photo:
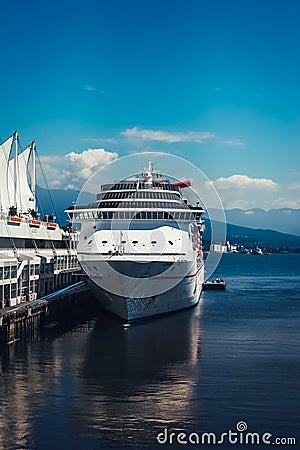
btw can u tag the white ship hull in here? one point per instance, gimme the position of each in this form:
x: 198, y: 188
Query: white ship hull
x: 184, y: 293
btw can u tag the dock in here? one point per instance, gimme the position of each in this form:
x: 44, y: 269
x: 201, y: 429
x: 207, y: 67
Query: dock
x: 28, y: 318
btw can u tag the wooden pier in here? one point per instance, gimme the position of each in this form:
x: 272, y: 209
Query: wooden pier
x: 26, y: 319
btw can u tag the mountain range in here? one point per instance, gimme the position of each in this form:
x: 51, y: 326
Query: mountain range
x: 285, y: 220
x: 252, y: 237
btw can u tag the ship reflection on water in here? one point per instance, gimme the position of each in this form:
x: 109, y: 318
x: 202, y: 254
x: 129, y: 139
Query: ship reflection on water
x: 135, y: 381
x: 101, y: 384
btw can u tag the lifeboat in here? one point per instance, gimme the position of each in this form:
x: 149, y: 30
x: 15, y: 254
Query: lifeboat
x: 35, y: 223
x: 14, y: 220
x: 51, y: 226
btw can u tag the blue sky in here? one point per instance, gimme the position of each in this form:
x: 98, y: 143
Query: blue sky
x: 215, y: 82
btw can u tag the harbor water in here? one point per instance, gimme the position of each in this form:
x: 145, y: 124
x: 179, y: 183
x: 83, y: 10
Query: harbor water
x: 234, y: 359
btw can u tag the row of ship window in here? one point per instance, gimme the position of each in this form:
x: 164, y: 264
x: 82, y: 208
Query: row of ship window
x: 141, y: 204
x: 138, y: 194
x: 124, y: 186
x: 131, y: 215
x: 136, y: 204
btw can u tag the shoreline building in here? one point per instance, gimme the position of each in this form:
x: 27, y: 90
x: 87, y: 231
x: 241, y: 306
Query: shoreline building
x: 37, y: 257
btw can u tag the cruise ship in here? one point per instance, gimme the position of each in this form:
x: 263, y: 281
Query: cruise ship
x: 37, y: 257
x: 141, y: 245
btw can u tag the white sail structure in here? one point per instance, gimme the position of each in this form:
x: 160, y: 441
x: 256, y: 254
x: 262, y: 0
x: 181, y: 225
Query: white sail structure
x: 15, y: 189
x: 11, y: 184
x: 24, y: 195
x: 5, y: 149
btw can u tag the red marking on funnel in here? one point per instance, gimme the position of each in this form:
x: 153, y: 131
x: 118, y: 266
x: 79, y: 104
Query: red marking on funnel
x: 183, y: 184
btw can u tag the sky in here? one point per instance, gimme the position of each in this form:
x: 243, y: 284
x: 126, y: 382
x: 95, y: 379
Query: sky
x: 217, y: 83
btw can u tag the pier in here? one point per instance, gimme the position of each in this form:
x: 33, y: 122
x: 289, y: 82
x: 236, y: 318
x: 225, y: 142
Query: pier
x: 28, y: 318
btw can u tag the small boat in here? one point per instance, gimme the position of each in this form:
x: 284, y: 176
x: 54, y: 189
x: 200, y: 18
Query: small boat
x: 257, y: 251
x: 214, y: 285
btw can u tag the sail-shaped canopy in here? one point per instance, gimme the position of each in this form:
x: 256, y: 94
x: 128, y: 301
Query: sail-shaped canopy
x: 5, y: 150
x: 15, y: 188
x: 24, y: 195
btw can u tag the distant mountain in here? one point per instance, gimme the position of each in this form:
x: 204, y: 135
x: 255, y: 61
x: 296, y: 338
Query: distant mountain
x: 56, y: 200
x: 250, y: 237
x: 285, y: 220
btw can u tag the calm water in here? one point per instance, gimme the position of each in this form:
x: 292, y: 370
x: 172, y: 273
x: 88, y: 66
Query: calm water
x: 236, y: 357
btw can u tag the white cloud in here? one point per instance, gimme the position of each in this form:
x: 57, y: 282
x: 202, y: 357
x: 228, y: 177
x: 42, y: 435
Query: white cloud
x: 137, y: 134
x: 234, y: 142
x: 249, y: 213
x: 88, y: 87
x: 240, y: 204
x: 71, y: 171
x: 294, y: 186
x: 91, y: 157
x: 244, y: 182
x: 286, y: 203
x: 244, y: 192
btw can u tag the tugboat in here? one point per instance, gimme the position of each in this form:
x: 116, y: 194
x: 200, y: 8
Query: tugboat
x: 214, y: 285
